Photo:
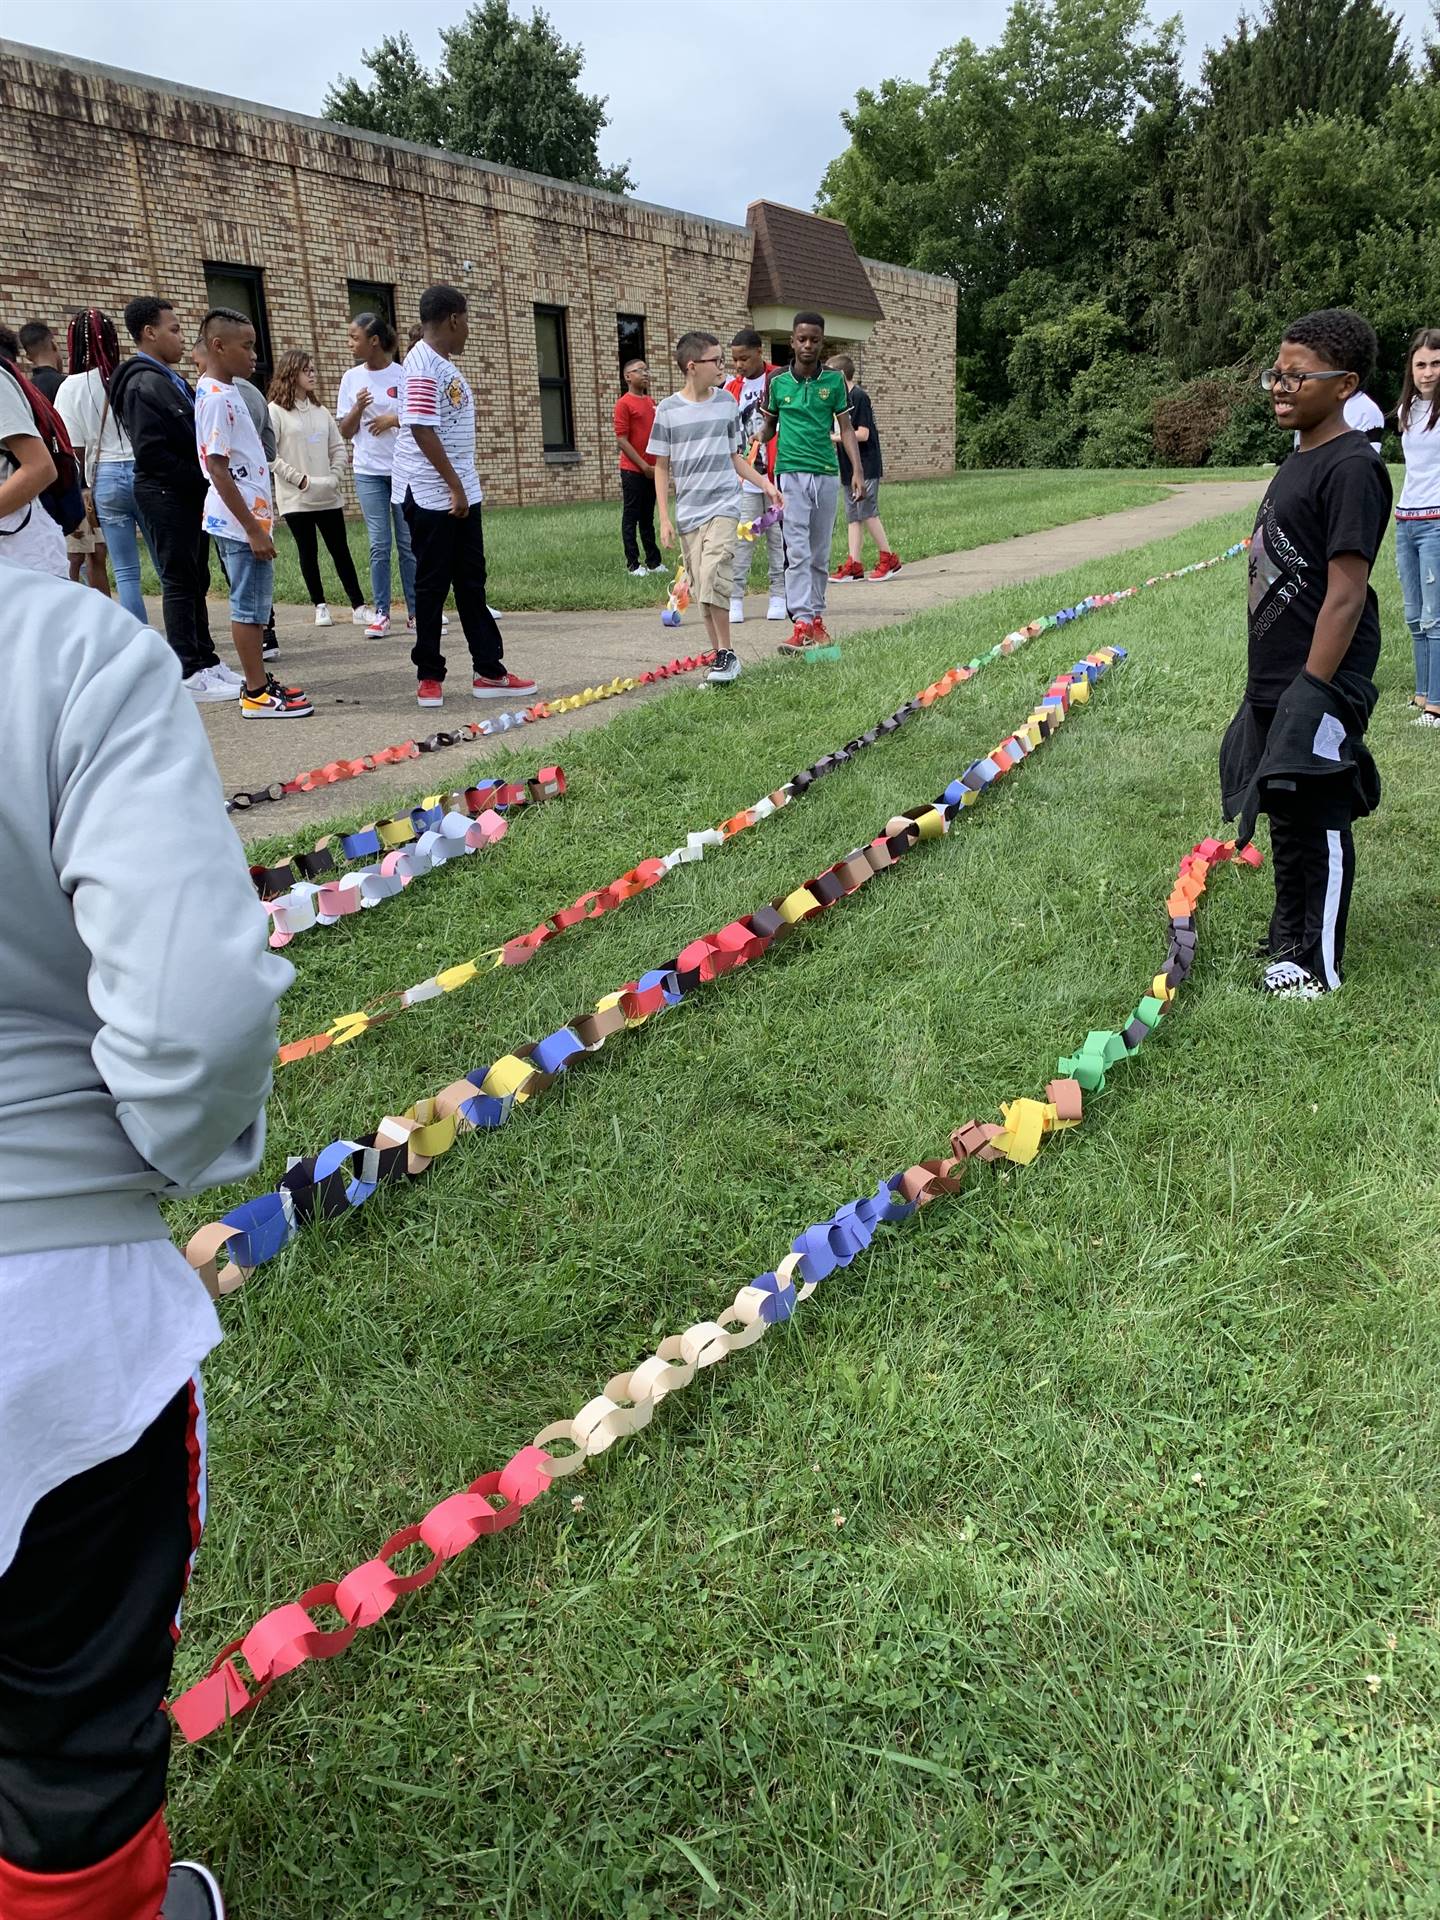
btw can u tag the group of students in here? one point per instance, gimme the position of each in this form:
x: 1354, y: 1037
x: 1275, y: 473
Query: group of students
x: 202, y: 470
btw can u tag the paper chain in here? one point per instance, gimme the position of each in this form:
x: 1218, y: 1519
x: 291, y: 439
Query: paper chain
x: 346, y: 1173
x: 519, y: 948
x: 444, y: 827
x: 337, y: 770
x: 289, y: 1636
x: 762, y: 523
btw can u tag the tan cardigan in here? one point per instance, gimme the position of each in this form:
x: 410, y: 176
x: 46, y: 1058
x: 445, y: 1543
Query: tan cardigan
x: 307, y: 447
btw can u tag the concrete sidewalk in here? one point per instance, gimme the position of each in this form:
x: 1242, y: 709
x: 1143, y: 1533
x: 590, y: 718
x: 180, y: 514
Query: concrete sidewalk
x: 364, y: 690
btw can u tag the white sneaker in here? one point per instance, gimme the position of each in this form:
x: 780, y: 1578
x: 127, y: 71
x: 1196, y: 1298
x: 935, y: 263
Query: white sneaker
x: 228, y: 674
x: 776, y: 609
x: 1286, y: 980
x: 662, y: 568
x: 637, y: 573
x: 492, y: 612
x: 378, y: 627
x: 362, y: 617
x: 322, y: 616
x: 204, y: 684
x: 725, y: 670
x: 737, y: 610
x: 444, y: 623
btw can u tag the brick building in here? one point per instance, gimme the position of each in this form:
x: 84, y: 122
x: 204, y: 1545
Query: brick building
x: 112, y: 180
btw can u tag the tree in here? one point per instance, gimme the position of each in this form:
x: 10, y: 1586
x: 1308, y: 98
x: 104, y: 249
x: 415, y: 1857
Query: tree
x: 507, y: 90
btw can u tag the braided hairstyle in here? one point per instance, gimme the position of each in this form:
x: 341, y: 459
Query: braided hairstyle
x: 93, y: 344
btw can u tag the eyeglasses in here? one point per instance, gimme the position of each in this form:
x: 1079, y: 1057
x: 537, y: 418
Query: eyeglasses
x: 1278, y: 380
x: 711, y: 360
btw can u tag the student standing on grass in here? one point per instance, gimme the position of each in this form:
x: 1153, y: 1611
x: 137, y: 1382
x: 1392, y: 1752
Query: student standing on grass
x: 137, y: 1032
x: 438, y: 488
x: 696, y: 442
x: 801, y: 406
x: 862, y: 514
x: 1296, y: 748
x: 746, y: 386
x: 1417, y: 518
x: 309, y: 471
x: 156, y: 410
x: 104, y: 453
x: 368, y: 416
x: 42, y: 355
x: 239, y: 511
x: 634, y: 417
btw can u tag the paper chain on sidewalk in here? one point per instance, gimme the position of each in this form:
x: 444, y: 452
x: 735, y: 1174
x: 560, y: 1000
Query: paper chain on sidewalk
x: 444, y: 827
x: 347, y: 1173
x: 516, y: 950
x: 337, y: 770
x: 288, y: 1636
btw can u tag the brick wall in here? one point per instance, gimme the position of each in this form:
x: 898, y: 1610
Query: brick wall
x: 117, y: 185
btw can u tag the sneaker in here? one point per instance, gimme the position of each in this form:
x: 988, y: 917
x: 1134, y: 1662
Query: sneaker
x: 852, y: 570
x: 430, y: 693
x: 191, y: 1893
x: 885, y: 569
x: 1427, y: 719
x: 818, y: 631
x: 777, y: 609
x: 637, y: 572
x: 1287, y: 980
x: 322, y: 616
x: 205, y: 684
x: 227, y: 674
x: 502, y: 687
x: 801, y: 637
x: 275, y: 703
x: 737, y: 610
x: 362, y: 616
x: 725, y: 669
x: 269, y: 650
x: 659, y: 567
x: 444, y: 623
x: 494, y: 612
x: 378, y: 627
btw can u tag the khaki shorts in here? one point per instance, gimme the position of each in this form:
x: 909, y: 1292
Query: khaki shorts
x: 85, y: 539
x: 710, y: 560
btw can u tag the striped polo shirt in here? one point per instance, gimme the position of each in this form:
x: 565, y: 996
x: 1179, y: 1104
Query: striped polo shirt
x: 698, y: 437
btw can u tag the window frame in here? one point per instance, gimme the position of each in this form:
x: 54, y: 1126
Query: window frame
x: 385, y: 306
x: 634, y: 322
x: 259, y: 316
x: 556, y: 383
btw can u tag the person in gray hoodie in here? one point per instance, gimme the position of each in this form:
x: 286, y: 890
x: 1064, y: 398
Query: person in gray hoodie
x: 137, y: 1031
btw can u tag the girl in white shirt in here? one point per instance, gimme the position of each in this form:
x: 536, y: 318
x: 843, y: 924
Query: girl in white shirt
x: 102, y: 450
x: 309, y: 471
x: 1417, y: 517
x: 368, y: 406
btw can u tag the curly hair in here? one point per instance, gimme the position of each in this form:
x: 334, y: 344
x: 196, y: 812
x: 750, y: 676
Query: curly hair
x: 285, y: 382
x: 1342, y: 338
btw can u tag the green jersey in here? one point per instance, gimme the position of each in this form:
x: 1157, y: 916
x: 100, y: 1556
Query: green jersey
x: 805, y: 410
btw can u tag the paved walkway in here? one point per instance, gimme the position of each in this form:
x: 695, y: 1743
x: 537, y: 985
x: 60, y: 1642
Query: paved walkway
x: 364, y: 696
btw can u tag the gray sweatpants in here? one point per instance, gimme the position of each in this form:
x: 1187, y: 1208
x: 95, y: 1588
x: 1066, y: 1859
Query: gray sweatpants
x: 810, y: 503
x: 774, y: 538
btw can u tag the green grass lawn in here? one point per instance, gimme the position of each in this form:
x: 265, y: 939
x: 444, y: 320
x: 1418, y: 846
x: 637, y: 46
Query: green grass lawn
x: 570, y: 557
x: 1132, y: 1612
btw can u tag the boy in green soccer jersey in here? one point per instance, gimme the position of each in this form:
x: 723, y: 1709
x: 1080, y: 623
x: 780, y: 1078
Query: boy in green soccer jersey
x: 801, y: 406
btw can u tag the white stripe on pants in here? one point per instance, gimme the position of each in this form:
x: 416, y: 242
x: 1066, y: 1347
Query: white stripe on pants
x: 810, y: 503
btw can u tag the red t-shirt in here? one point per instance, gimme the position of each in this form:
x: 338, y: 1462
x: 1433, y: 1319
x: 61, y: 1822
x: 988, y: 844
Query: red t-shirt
x: 634, y: 417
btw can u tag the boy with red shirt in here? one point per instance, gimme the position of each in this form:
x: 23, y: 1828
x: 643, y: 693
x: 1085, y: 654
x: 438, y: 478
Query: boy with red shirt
x: 634, y: 417
x: 748, y: 386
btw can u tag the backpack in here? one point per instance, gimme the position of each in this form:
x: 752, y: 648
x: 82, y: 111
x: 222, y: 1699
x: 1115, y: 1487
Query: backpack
x: 62, y: 499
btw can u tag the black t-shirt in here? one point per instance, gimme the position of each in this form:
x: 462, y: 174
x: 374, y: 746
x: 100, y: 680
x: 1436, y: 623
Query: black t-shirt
x: 862, y: 414
x: 1333, y: 499
x: 47, y: 379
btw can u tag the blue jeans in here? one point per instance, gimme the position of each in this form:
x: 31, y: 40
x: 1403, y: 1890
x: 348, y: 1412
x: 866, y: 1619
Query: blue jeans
x: 114, y: 497
x: 251, y: 581
x: 372, y: 490
x: 1417, y: 558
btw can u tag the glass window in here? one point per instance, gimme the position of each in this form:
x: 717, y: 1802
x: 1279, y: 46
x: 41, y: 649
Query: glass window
x: 243, y: 288
x: 552, y: 353
x: 371, y: 296
x: 630, y: 328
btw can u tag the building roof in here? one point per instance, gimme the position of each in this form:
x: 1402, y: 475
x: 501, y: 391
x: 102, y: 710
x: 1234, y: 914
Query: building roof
x: 805, y: 260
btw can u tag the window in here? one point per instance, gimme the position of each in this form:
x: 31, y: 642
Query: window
x: 631, y: 330
x: 557, y: 419
x: 371, y: 296
x: 242, y: 288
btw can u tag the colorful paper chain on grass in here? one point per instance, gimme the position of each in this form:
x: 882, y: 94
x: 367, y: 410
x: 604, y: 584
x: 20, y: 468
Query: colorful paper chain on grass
x: 444, y: 827
x: 347, y: 1172
x: 336, y: 770
x: 519, y: 948
x: 289, y: 1635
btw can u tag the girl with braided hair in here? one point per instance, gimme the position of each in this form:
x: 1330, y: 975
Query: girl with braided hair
x: 104, y: 454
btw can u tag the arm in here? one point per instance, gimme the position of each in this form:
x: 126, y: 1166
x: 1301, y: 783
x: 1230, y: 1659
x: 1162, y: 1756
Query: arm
x: 641, y: 461
x: 180, y: 979
x: 35, y: 471
x: 1339, y: 616
x: 428, y: 441
x: 852, y: 449
x: 349, y: 421
x: 223, y: 481
x: 662, y: 498
x: 338, y: 462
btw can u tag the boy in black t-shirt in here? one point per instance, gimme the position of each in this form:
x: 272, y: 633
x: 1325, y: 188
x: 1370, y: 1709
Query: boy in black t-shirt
x: 1296, y: 748
x: 862, y: 516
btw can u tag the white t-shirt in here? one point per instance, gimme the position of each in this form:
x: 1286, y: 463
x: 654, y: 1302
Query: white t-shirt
x: 433, y: 393
x: 223, y: 425
x: 80, y: 403
x: 752, y: 392
x: 28, y: 537
x: 1361, y: 415
x: 372, y: 452
x: 1420, y: 495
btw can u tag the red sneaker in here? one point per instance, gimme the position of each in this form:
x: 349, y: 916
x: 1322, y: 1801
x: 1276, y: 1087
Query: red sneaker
x: 430, y: 693
x: 503, y: 686
x: 852, y: 570
x: 802, y: 637
x: 888, y: 564
x: 818, y: 631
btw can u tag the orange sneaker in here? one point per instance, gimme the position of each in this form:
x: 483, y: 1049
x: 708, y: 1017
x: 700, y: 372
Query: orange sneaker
x: 502, y: 686
x: 818, y: 631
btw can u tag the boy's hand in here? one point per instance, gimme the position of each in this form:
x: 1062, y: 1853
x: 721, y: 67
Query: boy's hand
x: 383, y: 422
x: 262, y: 545
x: 667, y: 532
x: 459, y: 505
x: 773, y: 494
x: 857, y: 485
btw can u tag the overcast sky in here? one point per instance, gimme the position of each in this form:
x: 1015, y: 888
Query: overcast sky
x: 707, y: 123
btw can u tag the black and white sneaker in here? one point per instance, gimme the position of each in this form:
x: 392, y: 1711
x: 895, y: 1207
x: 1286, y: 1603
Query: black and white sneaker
x: 1288, y: 980
x: 725, y: 669
x: 192, y: 1893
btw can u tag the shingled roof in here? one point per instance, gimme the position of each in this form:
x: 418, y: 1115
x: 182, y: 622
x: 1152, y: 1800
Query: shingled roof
x: 805, y: 260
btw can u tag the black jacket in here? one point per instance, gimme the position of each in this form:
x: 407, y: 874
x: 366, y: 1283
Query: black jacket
x: 160, y: 423
x: 1309, y: 762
